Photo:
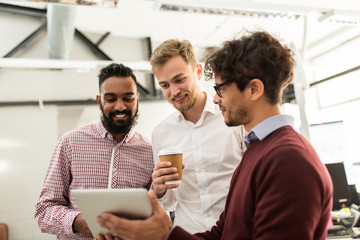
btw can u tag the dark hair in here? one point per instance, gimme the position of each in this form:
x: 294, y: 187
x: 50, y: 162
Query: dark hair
x: 255, y: 55
x: 117, y: 70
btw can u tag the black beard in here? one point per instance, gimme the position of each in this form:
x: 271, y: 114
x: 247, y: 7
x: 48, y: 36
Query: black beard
x: 117, y: 127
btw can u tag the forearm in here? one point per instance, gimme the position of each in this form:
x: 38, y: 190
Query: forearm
x: 55, y: 219
x: 52, y: 210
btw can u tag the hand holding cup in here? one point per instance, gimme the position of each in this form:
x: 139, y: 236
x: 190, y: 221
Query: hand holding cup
x: 168, y: 172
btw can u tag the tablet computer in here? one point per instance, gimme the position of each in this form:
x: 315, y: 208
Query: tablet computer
x: 131, y: 203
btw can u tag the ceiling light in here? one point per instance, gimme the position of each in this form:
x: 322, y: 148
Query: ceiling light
x: 224, y: 11
x: 100, y: 3
x: 342, y: 17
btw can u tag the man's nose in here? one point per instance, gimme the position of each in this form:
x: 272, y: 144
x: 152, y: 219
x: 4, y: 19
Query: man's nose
x: 216, y: 99
x: 174, y: 90
x: 119, y: 105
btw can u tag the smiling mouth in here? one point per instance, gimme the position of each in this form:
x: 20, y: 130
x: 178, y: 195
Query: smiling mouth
x: 121, y: 116
x: 179, y: 98
x: 222, y: 108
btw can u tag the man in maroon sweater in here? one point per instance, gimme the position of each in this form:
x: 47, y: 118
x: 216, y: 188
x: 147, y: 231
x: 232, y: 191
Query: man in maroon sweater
x: 280, y: 190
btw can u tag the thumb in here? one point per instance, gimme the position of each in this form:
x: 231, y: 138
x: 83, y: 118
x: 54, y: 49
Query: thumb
x: 154, y: 201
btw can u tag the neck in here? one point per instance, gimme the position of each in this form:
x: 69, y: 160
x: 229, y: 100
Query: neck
x: 194, y: 114
x: 260, y: 113
x: 119, y: 137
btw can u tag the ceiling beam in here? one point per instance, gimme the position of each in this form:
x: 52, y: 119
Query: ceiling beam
x: 143, y: 98
x: 335, y: 76
x: 28, y: 11
x: 26, y: 41
x: 102, y: 38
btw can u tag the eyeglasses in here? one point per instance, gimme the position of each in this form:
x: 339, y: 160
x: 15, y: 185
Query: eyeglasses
x: 217, y: 88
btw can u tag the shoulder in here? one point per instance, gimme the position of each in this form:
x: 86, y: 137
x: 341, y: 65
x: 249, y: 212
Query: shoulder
x: 168, y: 123
x: 80, y: 133
x: 286, y: 138
x: 141, y: 139
x: 286, y: 147
x: 171, y: 119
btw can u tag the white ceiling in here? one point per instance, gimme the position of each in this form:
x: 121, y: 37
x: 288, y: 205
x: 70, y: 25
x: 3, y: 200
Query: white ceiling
x: 311, y: 37
x: 142, y: 18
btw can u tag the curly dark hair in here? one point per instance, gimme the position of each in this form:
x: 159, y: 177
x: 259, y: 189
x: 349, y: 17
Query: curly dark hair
x: 117, y: 70
x: 254, y: 55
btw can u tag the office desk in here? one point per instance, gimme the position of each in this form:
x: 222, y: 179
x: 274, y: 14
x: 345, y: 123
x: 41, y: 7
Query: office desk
x: 356, y: 230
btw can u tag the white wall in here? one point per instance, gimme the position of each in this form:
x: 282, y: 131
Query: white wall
x: 29, y: 134
x: 27, y: 140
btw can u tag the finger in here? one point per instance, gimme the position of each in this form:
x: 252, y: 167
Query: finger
x: 162, y: 165
x: 100, y: 237
x: 108, y: 236
x: 171, y: 186
x: 154, y: 202
x: 164, y: 171
x: 164, y: 178
x: 160, y: 176
x: 158, y: 211
x: 114, y: 224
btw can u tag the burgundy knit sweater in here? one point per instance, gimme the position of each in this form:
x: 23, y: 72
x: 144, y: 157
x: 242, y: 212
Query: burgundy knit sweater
x: 280, y: 190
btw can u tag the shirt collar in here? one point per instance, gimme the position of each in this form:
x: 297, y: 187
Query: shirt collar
x: 269, y: 125
x: 104, y: 132
x: 101, y: 129
x: 210, y: 107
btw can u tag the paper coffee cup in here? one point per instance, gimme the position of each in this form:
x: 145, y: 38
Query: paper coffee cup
x: 173, y: 155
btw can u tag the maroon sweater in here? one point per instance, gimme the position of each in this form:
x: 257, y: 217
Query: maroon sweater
x: 280, y: 190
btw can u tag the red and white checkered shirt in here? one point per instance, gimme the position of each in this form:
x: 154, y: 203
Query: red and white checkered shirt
x: 85, y: 158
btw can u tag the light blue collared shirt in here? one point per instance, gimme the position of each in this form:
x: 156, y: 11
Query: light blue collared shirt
x: 267, y: 126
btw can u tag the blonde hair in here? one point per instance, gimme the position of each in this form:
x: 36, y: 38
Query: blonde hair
x: 171, y: 48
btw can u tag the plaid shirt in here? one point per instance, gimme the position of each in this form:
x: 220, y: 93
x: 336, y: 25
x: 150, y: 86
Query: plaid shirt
x: 89, y: 157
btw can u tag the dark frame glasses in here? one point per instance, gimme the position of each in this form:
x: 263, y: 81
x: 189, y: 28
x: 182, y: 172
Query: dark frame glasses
x: 217, y: 88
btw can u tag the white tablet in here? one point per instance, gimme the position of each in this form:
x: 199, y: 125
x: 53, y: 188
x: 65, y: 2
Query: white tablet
x: 131, y: 203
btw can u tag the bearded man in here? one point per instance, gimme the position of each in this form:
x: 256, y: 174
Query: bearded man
x: 105, y: 154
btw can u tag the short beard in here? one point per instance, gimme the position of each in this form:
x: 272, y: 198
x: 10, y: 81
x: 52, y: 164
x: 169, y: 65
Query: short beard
x: 239, y: 118
x: 183, y: 107
x: 186, y: 106
x: 119, y: 127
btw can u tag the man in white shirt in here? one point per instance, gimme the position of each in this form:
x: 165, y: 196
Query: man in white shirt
x: 198, y: 123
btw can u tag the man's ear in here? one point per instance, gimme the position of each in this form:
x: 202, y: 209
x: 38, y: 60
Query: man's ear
x: 199, y: 71
x: 98, y: 99
x: 257, y: 88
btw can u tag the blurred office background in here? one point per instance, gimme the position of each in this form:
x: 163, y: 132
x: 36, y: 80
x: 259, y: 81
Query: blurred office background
x: 51, y: 54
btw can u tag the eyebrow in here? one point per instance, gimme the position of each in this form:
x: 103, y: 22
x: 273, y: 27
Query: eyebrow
x: 125, y: 94
x: 174, y: 78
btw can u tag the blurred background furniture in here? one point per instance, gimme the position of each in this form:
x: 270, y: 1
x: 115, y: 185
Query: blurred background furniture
x: 4, y: 232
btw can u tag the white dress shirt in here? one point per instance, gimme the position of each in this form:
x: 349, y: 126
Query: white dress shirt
x: 211, y: 152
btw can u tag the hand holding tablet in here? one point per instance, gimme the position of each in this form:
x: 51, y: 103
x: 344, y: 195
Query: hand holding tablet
x: 132, y: 203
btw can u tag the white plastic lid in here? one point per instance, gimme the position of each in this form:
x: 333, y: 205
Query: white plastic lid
x: 167, y: 151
